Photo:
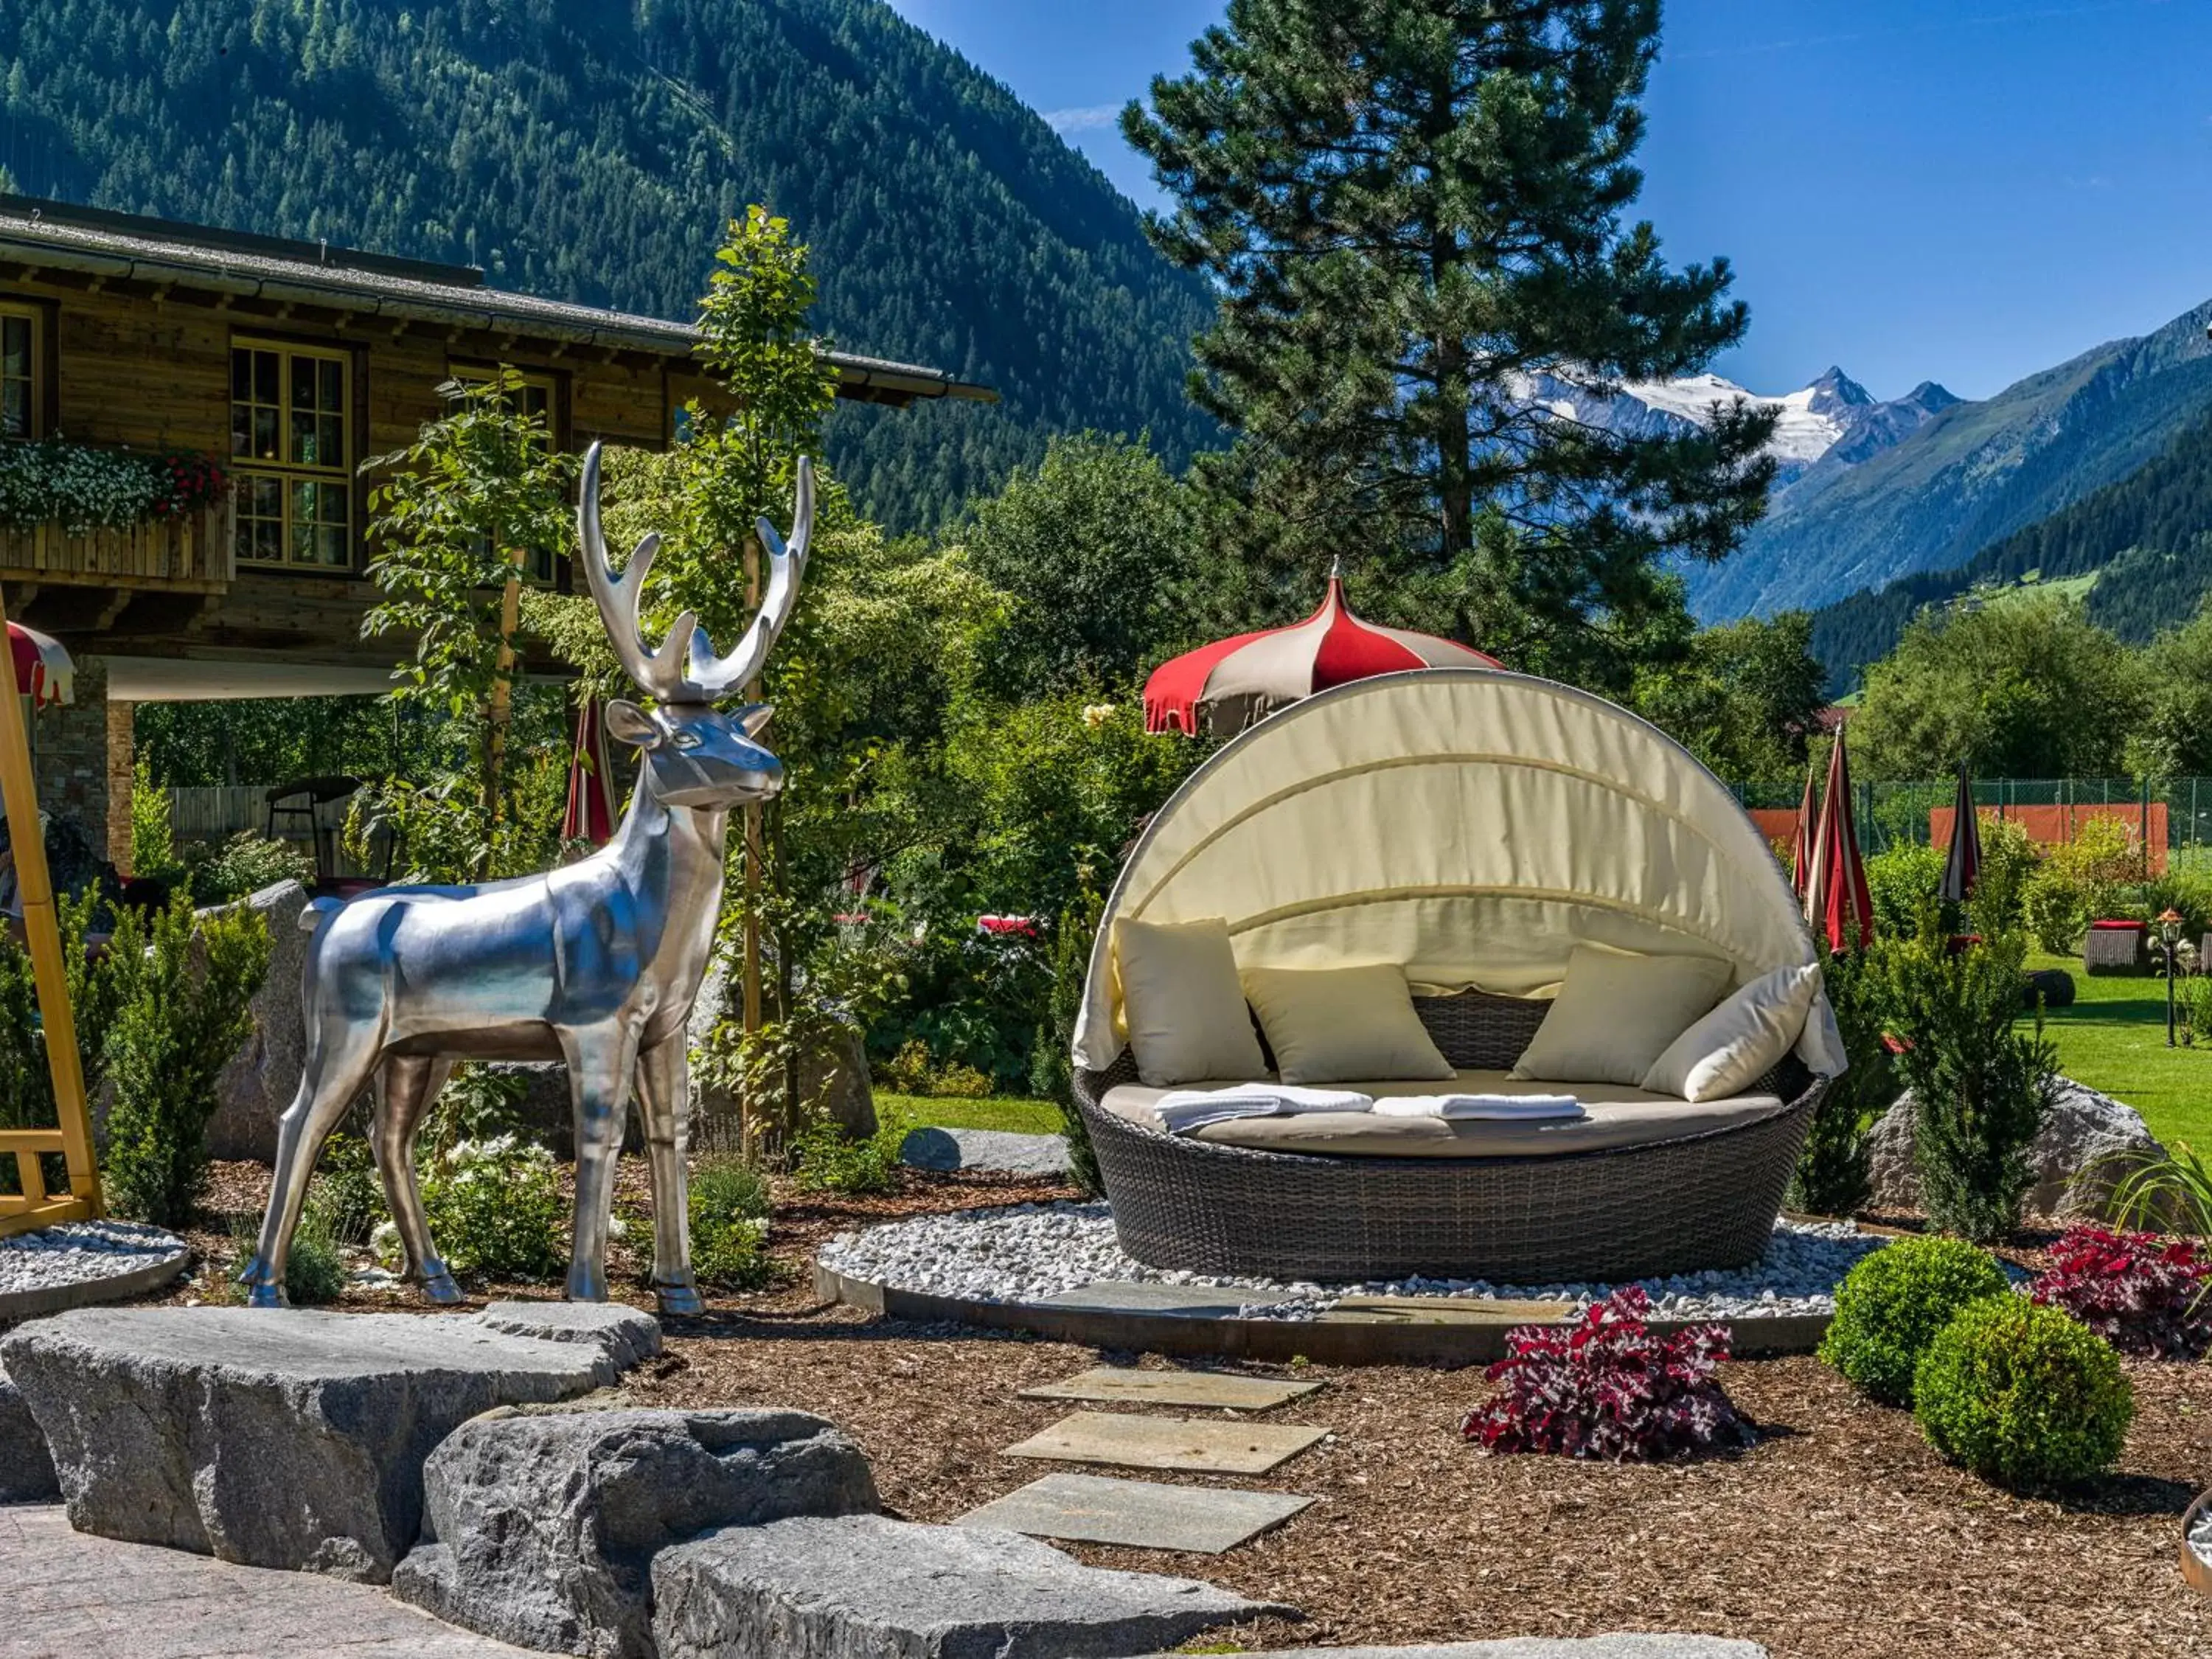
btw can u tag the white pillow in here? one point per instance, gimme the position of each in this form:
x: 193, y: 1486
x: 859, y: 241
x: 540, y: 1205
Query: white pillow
x: 1343, y: 1024
x: 1615, y: 1014
x: 1738, y: 1040
x: 1187, y: 1021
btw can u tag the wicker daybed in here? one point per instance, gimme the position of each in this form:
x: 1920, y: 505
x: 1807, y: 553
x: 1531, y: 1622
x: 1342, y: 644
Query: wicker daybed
x: 1464, y: 861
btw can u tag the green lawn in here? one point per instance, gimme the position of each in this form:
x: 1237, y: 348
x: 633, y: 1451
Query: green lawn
x: 1030, y: 1117
x: 2113, y: 1039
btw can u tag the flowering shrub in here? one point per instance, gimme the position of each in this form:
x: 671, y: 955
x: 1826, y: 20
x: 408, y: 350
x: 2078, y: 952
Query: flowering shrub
x: 1608, y: 1387
x: 495, y: 1208
x: 82, y: 489
x: 2141, y: 1293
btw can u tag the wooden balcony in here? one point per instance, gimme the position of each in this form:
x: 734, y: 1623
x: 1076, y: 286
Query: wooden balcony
x: 194, y: 553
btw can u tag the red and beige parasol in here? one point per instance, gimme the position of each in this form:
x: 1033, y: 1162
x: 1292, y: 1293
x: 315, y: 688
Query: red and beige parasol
x: 1221, y: 689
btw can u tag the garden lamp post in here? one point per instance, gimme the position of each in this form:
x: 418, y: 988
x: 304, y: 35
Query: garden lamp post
x: 2169, y: 930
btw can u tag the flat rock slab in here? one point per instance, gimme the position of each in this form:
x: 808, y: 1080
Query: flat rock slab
x: 630, y: 1335
x: 867, y: 1588
x: 292, y: 1438
x: 1091, y: 1509
x: 1223, y: 1389
x: 27, y: 1472
x: 1135, y: 1296
x: 993, y: 1150
x: 1541, y: 1647
x: 1168, y: 1442
x: 92, y: 1598
x: 541, y: 1527
x: 1444, y: 1310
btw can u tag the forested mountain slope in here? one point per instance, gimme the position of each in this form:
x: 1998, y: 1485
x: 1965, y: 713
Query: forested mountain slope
x: 2140, y: 547
x: 590, y: 152
x: 1974, y: 475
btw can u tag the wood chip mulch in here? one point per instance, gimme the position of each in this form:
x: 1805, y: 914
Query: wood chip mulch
x: 1840, y: 1535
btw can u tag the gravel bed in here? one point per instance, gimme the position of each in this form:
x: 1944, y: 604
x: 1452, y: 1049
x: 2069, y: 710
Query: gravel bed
x: 79, y: 1253
x: 1026, y: 1252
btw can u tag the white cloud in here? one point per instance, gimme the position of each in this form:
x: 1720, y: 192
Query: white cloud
x: 1090, y: 118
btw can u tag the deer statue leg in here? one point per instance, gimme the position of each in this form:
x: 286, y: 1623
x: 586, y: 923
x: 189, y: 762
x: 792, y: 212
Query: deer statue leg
x: 602, y: 1059
x: 405, y: 1086
x: 664, y: 1102
x: 335, y: 1077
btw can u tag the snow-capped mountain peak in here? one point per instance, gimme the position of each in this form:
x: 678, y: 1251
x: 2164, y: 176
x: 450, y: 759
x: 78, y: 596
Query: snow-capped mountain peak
x: 1809, y: 422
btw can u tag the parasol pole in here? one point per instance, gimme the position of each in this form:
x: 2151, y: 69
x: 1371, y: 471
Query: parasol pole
x: 42, y: 931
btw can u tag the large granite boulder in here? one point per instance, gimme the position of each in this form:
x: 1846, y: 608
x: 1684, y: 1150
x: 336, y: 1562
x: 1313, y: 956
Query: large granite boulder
x: 868, y: 1588
x: 27, y: 1472
x: 2073, y: 1177
x: 291, y: 1439
x: 541, y: 1528
x: 263, y: 1075
x: 838, y: 1076
x: 630, y: 1336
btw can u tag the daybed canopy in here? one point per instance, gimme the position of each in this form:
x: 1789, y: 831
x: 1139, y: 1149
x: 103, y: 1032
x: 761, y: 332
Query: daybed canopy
x: 1472, y: 826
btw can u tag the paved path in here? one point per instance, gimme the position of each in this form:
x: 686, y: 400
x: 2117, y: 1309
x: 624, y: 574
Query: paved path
x: 71, y: 1596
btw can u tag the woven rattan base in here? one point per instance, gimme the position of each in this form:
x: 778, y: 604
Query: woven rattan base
x: 1673, y: 1206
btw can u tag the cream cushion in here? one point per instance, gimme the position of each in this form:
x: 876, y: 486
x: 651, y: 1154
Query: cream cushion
x: 1616, y: 1014
x: 1617, y: 1116
x: 1328, y: 1024
x: 1187, y: 1021
x: 1751, y: 1030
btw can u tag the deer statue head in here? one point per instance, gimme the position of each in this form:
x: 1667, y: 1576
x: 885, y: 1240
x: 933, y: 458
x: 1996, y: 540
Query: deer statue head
x: 694, y: 753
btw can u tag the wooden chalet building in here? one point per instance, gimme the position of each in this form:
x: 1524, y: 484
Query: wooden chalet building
x: 287, y: 363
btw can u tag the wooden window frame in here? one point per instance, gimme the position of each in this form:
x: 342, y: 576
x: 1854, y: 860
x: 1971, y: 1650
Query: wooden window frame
x: 287, y: 473
x: 555, y: 386
x: 41, y: 317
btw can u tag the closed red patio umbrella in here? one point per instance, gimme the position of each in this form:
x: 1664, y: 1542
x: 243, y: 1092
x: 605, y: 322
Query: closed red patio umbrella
x: 591, y: 814
x: 1837, y: 901
x: 1801, y: 846
x: 1224, y: 687
x: 1963, y: 868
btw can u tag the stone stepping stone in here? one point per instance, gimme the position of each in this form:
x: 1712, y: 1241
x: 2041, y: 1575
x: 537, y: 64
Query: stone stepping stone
x: 1223, y: 1389
x: 1168, y: 1442
x: 864, y: 1586
x: 1443, y: 1310
x: 1140, y: 1297
x: 1145, y: 1515
x: 288, y: 1438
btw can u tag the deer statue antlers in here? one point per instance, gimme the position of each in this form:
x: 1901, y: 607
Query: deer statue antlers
x: 660, y: 672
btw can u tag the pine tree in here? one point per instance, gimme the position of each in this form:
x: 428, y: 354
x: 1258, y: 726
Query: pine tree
x: 1408, y: 207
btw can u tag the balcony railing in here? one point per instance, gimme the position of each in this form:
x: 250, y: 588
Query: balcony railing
x: 192, y: 554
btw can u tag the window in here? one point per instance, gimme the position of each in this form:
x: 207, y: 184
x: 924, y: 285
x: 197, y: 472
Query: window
x: 20, y: 368
x: 291, y: 415
x: 535, y: 401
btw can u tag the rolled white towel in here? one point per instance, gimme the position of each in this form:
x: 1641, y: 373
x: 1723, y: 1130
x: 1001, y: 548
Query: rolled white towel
x: 1501, y: 1107
x: 1182, y: 1110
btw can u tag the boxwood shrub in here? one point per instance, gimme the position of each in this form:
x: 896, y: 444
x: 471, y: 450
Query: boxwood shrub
x: 2023, y: 1395
x: 1890, y: 1306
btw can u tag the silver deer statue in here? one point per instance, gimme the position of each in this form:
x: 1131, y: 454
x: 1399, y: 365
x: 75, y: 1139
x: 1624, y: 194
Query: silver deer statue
x: 596, y: 963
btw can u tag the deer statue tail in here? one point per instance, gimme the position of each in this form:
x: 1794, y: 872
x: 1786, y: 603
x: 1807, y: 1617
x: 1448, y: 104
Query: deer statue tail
x: 318, y: 910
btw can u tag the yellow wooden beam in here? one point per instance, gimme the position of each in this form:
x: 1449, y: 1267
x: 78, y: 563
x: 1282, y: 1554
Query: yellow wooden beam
x: 42, y: 931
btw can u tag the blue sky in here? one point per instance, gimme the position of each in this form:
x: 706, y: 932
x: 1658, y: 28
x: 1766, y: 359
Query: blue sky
x: 1964, y: 191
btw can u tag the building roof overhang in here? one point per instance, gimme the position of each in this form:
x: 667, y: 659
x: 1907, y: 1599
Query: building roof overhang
x: 38, y: 235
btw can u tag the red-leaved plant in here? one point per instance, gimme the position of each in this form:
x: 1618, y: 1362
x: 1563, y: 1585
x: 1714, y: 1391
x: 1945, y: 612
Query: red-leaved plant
x: 1608, y: 1387
x: 2141, y: 1293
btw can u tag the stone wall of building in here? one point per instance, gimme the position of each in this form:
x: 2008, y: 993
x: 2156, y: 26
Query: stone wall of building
x: 122, y: 759
x: 70, y: 748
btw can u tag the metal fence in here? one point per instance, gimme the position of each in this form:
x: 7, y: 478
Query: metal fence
x: 2168, y: 814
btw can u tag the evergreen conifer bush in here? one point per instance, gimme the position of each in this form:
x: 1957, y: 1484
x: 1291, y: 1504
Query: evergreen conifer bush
x: 1890, y: 1306
x: 1832, y: 1176
x: 1980, y: 1086
x: 180, y: 989
x: 2022, y: 1394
